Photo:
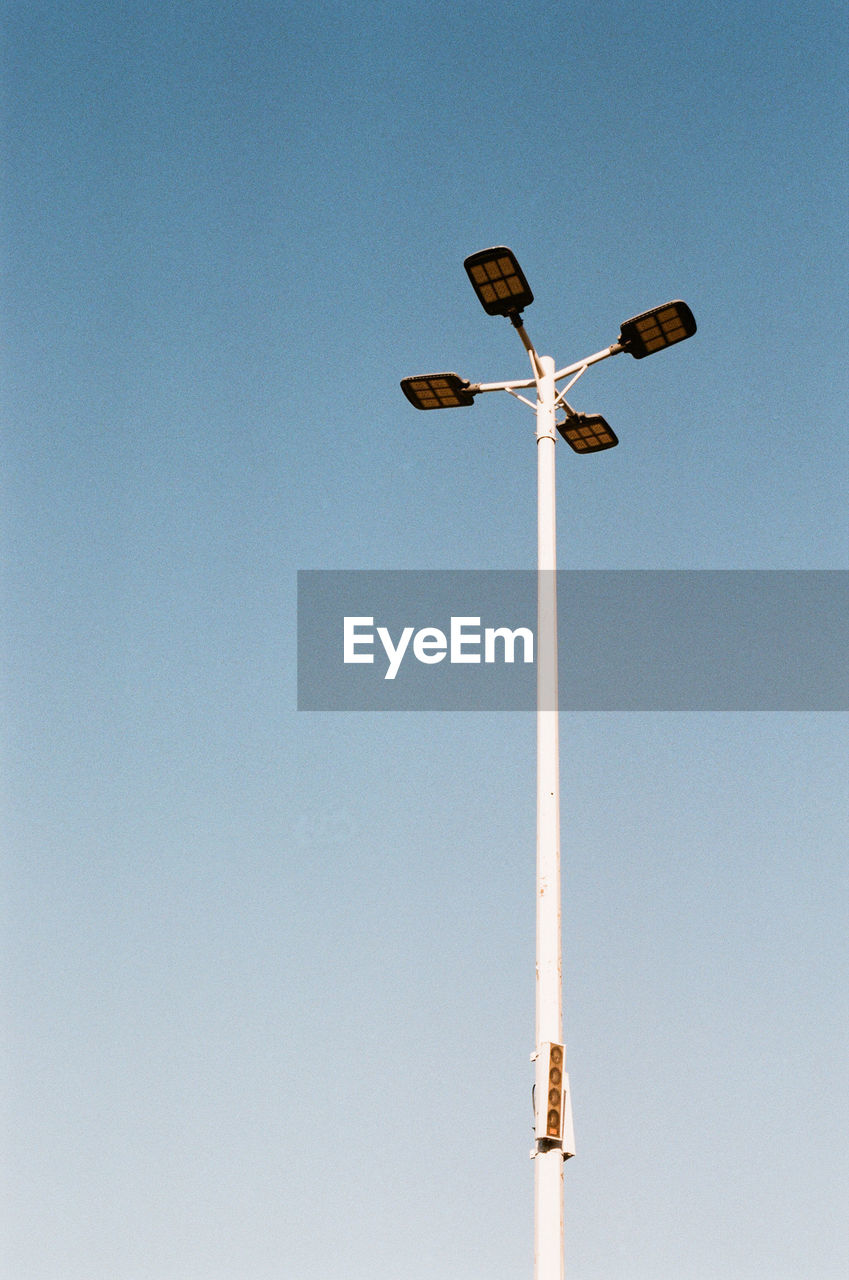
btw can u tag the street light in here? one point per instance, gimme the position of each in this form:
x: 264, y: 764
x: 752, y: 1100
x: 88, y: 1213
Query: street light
x: 502, y: 289
x: 656, y: 329
x: 437, y: 391
x: 587, y: 433
x: 499, y: 281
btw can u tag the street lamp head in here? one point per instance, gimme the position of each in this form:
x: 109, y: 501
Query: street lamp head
x: 587, y: 433
x: 499, y: 281
x: 653, y: 330
x: 437, y: 391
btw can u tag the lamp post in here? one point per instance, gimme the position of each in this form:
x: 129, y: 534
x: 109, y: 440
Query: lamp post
x: 502, y: 289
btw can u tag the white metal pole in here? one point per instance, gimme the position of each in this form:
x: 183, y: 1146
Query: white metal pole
x: 548, y: 1161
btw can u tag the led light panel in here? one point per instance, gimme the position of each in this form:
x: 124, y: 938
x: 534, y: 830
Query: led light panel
x: 554, y: 1108
x: 499, y: 281
x: 437, y: 391
x: 656, y: 329
x: 587, y: 433
x: 550, y: 1081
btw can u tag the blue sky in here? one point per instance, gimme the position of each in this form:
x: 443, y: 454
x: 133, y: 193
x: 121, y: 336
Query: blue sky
x: 269, y: 974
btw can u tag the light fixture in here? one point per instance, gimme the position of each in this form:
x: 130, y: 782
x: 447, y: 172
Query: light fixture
x: 502, y: 289
x: 552, y: 1105
x: 587, y: 433
x: 554, y: 1100
x: 437, y: 391
x: 656, y: 329
x: 499, y: 281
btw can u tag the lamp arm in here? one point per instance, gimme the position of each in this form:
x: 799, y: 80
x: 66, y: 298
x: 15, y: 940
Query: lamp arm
x: 524, y: 399
x: 570, y: 412
x: 561, y: 395
x: 581, y: 365
x: 516, y: 321
x: 477, y: 388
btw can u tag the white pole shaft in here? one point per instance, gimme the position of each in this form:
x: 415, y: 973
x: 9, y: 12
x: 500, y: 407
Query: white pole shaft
x: 548, y: 1164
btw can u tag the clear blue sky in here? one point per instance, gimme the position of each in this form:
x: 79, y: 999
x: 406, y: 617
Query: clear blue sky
x: 269, y: 975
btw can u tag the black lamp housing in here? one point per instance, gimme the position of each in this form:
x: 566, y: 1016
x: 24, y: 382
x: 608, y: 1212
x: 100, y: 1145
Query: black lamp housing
x: 587, y: 433
x: 437, y: 391
x: 653, y: 330
x: 499, y: 281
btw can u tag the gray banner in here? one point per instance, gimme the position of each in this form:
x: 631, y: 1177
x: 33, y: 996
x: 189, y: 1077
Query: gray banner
x: 629, y: 640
